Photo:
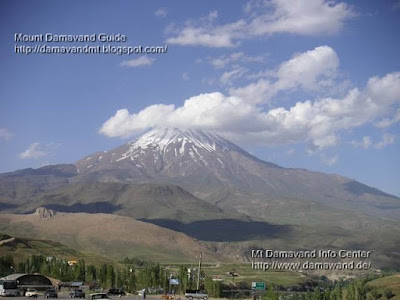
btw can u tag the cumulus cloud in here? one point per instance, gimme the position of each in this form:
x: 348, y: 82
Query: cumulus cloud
x: 162, y: 12
x: 387, y: 122
x: 256, y: 92
x: 304, y: 17
x: 38, y: 150
x: 311, y: 70
x: 311, y: 17
x: 318, y: 123
x: 137, y: 62
x: 5, y: 134
x: 218, y: 37
x: 123, y: 124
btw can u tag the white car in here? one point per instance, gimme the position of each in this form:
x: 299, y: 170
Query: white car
x: 97, y: 296
x: 195, y: 294
x: 31, y: 293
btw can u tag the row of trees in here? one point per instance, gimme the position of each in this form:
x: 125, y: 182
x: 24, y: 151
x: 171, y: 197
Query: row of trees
x: 131, y: 277
x: 356, y: 290
x: 137, y: 274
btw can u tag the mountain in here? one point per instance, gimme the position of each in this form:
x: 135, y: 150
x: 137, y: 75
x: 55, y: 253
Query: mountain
x: 20, y: 186
x: 216, y: 170
x: 216, y: 196
x: 164, y: 154
x: 204, y: 165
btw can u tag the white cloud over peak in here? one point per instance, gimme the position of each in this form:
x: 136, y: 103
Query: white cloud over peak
x: 311, y: 17
x: 247, y: 114
x: 317, y: 123
x: 137, y: 62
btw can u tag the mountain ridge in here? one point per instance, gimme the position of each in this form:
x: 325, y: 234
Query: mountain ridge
x: 204, y: 163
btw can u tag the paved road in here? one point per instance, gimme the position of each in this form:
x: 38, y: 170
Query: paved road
x: 65, y: 296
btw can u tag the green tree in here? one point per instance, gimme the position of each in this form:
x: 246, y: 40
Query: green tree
x: 110, y: 276
x: 103, y: 275
x: 213, y: 288
x: 183, y: 278
x: 271, y: 293
x: 91, y: 273
x: 131, y: 284
x: 80, y: 271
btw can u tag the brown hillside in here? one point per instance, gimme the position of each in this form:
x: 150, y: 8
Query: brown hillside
x: 109, y: 235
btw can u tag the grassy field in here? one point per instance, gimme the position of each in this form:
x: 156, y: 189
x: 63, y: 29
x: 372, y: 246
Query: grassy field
x: 108, y: 235
x: 20, y: 249
x: 246, y: 275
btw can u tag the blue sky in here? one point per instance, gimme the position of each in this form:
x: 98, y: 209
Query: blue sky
x: 312, y: 85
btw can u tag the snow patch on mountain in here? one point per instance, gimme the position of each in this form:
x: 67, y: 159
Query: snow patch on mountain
x: 190, y: 141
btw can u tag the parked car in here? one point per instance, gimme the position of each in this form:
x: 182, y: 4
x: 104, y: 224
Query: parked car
x: 195, y: 294
x: 77, y: 294
x: 117, y: 292
x: 31, y: 293
x: 98, y: 296
x: 50, y: 293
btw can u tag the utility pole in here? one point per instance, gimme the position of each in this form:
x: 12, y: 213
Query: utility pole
x: 198, y: 272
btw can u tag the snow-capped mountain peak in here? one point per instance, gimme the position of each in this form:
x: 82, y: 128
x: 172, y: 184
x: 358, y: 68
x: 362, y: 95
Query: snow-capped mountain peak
x: 162, y: 137
x: 164, y: 141
x: 180, y: 151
